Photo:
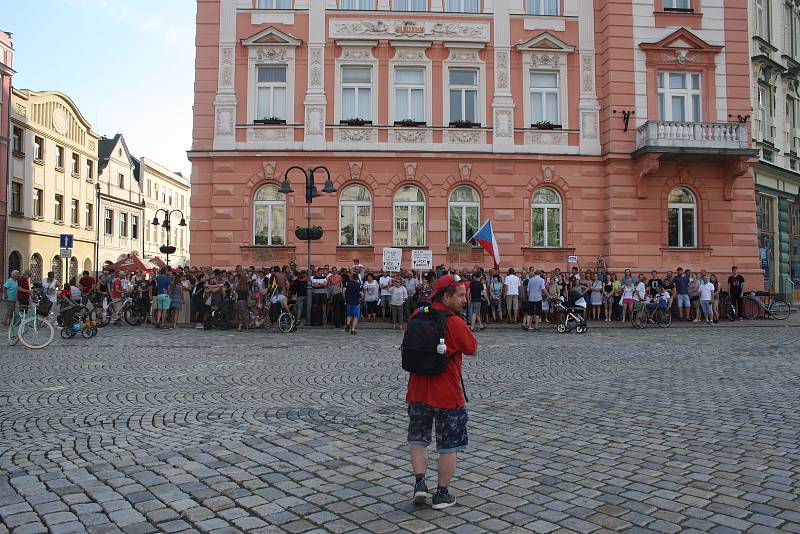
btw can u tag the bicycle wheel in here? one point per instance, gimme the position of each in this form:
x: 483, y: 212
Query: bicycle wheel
x: 285, y: 323
x: 66, y: 333
x: 639, y: 318
x: 730, y: 311
x: 779, y: 309
x: 103, y: 316
x: 663, y: 318
x: 751, y: 309
x: 135, y: 316
x: 36, y: 332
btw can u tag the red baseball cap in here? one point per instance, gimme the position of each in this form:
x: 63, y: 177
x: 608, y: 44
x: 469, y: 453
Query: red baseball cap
x: 446, y: 281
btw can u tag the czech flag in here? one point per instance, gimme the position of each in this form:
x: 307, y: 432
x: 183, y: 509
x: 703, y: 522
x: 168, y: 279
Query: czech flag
x: 485, y: 238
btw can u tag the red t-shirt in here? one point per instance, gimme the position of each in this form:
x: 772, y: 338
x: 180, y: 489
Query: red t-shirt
x: 23, y: 284
x: 445, y: 390
x: 87, y: 284
x: 116, y: 289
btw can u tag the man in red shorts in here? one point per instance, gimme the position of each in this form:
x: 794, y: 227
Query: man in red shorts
x: 440, y: 399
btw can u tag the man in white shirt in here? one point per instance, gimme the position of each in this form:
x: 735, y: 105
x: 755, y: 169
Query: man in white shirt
x: 706, y: 297
x: 511, y: 292
x: 534, y: 305
x: 385, y: 281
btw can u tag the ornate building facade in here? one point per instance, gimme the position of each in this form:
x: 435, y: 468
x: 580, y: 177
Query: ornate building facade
x: 579, y: 128
x: 775, y: 55
x: 52, y: 185
x: 6, y: 73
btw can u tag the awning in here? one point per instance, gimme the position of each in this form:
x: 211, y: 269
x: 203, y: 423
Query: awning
x: 132, y: 264
x: 158, y: 262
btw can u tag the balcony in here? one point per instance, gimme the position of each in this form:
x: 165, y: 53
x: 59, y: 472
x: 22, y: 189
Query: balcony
x: 693, y: 138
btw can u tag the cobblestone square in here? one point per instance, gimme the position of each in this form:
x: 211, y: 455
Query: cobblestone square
x: 680, y: 430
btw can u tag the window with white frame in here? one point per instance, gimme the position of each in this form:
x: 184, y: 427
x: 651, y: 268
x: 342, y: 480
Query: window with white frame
x: 109, y: 222
x: 356, y: 4
x: 355, y: 216
x: 464, y: 209
x: 271, y: 91
x: 542, y: 7
x: 410, y: 5
x: 409, y: 94
x: 38, y: 197
x: 545, y: 97
x: 89, y: 215
x: 134, y: 227
x: 462, y: 6
x: 546, y: 218
x: 762, y: 19
x: 677, y: 5
x: 269, y: 216
x: 682, y: 218
x: 765, y: 110
x: 464, y: 95
x: 38, y: 148
x: 679, y: 97
x: 75, y: 211
x: 59, y: 157
x: 357, y: 93
x: 274, y: 4
x: 59, y: 208
x: 123, y: 224
x: 409, y: 217
x: 76, y: 164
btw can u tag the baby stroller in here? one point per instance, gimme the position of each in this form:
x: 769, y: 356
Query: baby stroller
x: 572, y: 313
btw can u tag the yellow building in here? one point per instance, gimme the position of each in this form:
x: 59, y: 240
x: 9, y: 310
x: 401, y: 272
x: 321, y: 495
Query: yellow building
x: 51, y: 190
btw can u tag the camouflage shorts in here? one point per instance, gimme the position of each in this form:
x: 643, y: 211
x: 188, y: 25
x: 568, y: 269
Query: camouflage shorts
x: 451, y: 427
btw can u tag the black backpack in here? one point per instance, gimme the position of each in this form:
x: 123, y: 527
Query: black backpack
x: 422, y: 336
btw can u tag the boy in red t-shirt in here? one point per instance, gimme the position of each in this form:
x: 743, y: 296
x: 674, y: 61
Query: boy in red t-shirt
x: 440, y: 398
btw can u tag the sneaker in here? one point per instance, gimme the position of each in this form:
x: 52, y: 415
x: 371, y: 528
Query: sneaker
x: 443, y: 500
x: 421, y: 492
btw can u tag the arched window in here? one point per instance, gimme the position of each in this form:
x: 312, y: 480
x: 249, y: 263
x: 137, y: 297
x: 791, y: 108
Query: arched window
x: 682, y: 218
x: 464, y: 208
x: 409, y: 217
x: 14, y: 262
x: 87, y: 265
x: 73, y: 269
x: 546, y: 218
x: 36, y: 267
x: 355, y: 216
x: 57, y: 266
x: 269, y: 216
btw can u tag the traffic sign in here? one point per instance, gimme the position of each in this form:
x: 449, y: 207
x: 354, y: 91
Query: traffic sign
x: 66, y: 240
x: 66, y: 252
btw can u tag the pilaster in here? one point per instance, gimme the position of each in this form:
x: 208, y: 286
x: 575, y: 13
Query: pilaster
x: 315, y: 102
x: 588, y: 105
x: 225, y: 101
x: 503, y: 102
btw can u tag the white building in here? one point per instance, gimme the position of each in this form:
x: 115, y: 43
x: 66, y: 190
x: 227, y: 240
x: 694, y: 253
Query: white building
x: 164, y: 191
x: 121, y: 212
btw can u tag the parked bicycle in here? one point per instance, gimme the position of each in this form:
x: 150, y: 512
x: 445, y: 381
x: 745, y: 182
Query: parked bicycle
x: 726, y: 307
x: 29, y: 326
x: 642, y: 316
x: 777, y: 309
x: 125, y: 308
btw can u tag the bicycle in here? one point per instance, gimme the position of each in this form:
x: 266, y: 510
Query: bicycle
x: 727, y: 308
x: 35, y: 331
x: 777, y: 309
x: 129, y: 310
x: 287, y: 322
x: 642, y: 316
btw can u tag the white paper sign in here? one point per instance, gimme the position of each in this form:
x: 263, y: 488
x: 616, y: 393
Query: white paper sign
x: 422, y: 259
x: 392, y: 257
x: 572, y: 259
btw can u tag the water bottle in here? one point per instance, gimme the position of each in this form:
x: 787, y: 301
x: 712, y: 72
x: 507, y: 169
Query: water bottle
x: 441, y: 348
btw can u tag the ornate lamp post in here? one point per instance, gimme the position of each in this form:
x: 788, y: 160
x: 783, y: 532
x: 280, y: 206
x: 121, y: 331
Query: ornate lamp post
x: 308, y: 233
x: 168, y: 249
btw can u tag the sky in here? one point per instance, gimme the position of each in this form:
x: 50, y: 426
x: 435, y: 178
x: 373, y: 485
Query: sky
x: 128, y: 66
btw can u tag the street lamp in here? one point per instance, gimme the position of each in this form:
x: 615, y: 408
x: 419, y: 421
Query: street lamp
x: 168, y: 249
x: 306, y: 234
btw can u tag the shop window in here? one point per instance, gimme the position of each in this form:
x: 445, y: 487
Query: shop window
x: 765, y: 218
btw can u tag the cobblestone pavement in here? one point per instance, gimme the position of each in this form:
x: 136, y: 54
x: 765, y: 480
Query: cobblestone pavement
x: 676, y: 430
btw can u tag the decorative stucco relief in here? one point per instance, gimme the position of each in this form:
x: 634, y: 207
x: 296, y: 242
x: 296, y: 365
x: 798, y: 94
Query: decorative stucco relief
x: 224, y: 121
x: 587, y: 73
x: 271, y: 53
x: 465, y: 137
x: 315, y: 75
x: 404, y: 29
x: 355, y: 135
x: 552, y: 138
x: 503, y: 123
x: 411, y: 136
x: 546, y: 59
x: 315, y: 120
x: 226, y: 67
x: 268, y: 134
x: 501, y: 63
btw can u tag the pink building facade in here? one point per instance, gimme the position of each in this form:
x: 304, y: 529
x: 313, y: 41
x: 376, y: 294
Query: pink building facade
x: 579, y: 128
x: 8, y: 139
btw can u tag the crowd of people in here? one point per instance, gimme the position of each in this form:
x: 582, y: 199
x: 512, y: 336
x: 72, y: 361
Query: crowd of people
x: 250, y: 297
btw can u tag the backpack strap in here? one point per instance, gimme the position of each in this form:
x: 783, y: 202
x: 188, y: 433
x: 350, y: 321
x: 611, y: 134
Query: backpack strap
x: 447, y: 314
